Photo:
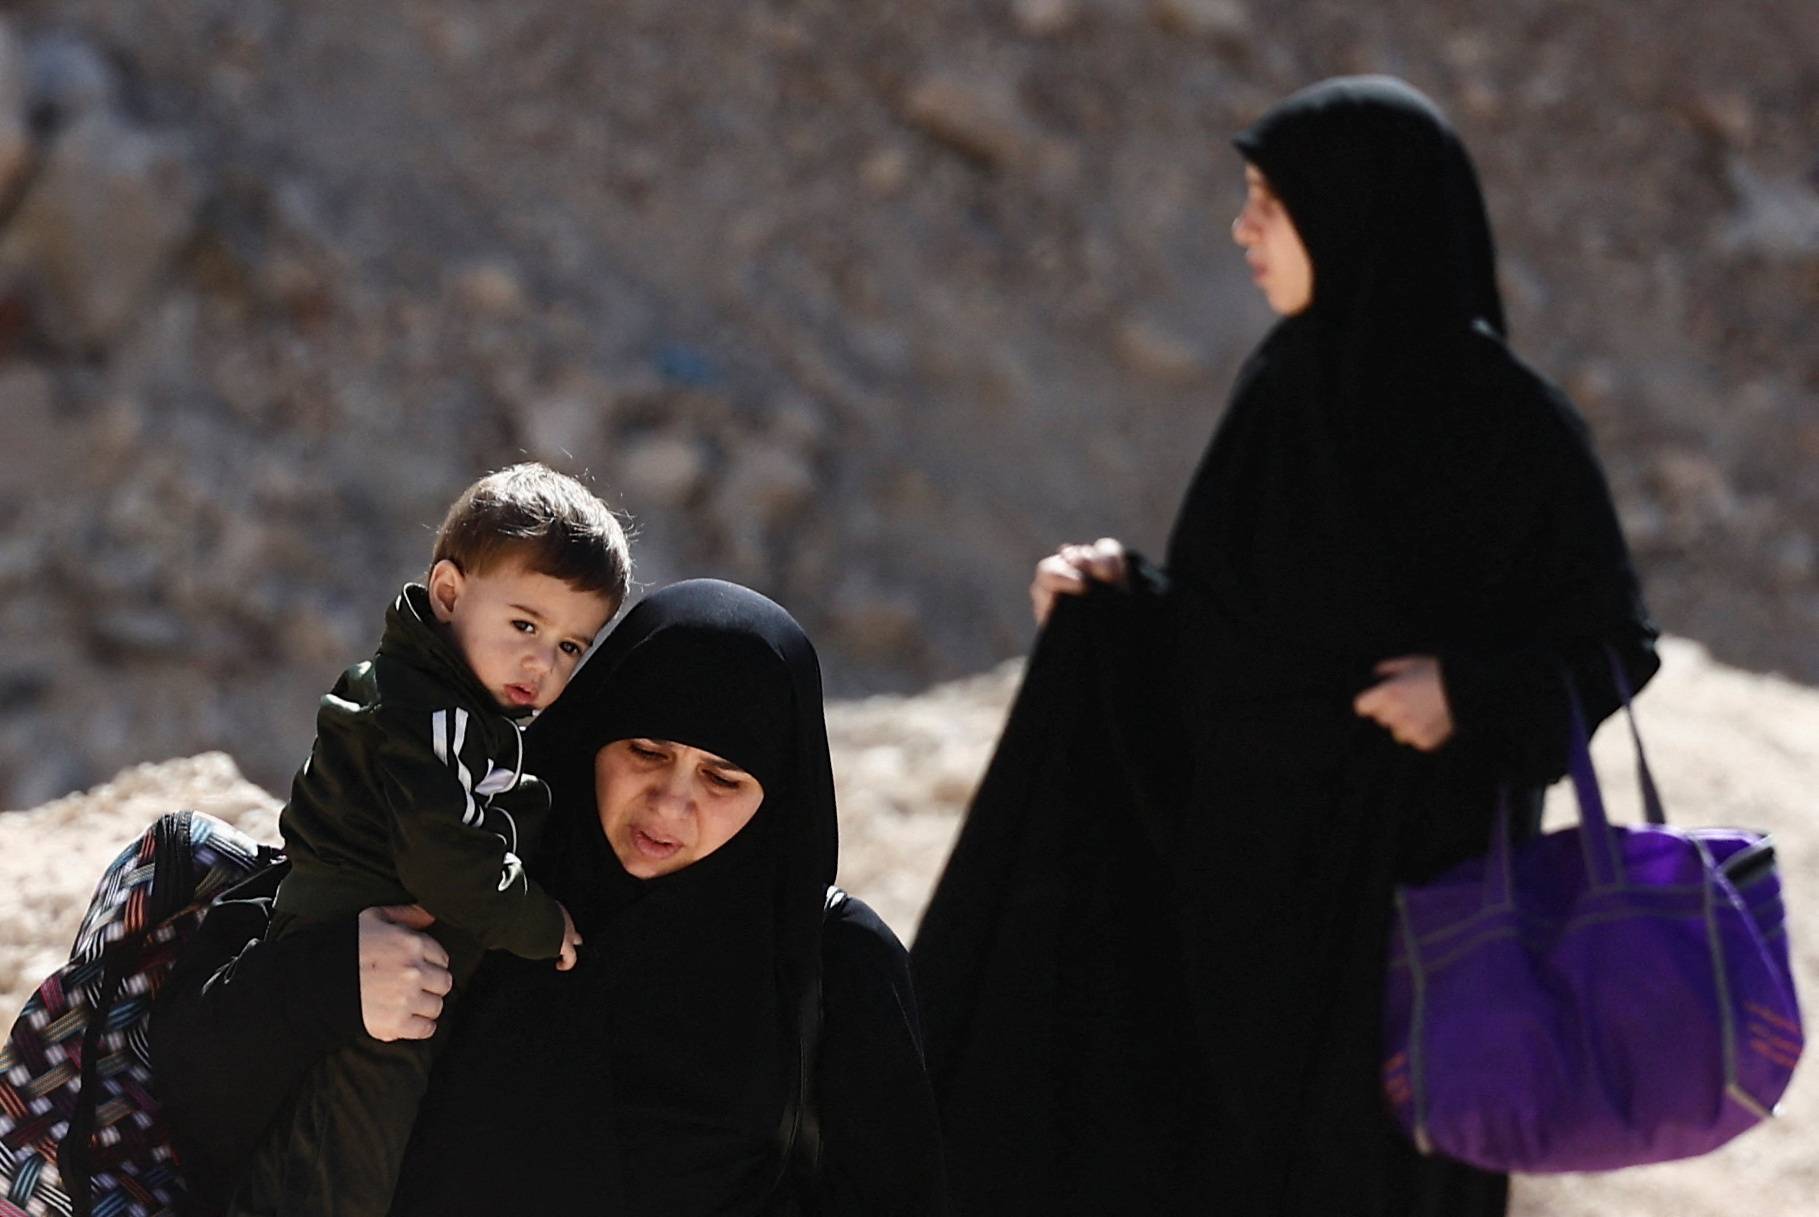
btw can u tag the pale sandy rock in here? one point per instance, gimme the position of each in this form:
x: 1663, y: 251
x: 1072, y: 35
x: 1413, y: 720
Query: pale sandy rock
x: 766, y: 481
x: 874, y: 621
x: 21, y: 559
x: 661, y: 470
x: 70, y: 79
x: 15, y: 136
x: 102, y: 220
x: 1793, y: 559
x: 566, y: 426
x: 140, y: 631
x: 1045, y: 18
x: 978, y: 112
x: 885, y: 170
x: 490, y: 288
x: 1151, y: 349
x: 1217, y: 19
x: 1777, y: 216
x: 1695, y: 490
x: 34, y: 444
x: 1728, y: 113
x: 798, y: 422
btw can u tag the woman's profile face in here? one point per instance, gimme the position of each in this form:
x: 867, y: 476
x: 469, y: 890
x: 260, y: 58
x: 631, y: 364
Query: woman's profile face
x: 665, y: 806
x: 1280, y: 266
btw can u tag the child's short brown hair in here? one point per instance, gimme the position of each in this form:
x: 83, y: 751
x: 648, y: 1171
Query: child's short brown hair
x: 547, y: 520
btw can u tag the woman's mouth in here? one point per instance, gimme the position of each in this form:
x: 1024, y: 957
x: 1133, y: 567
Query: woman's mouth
x: 654, y: 847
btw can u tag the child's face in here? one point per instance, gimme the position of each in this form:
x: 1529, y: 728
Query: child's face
x: 521, y: 632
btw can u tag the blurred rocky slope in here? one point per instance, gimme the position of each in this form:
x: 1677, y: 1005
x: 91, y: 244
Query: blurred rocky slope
x: 864, y: 303
x: 1727, y: 748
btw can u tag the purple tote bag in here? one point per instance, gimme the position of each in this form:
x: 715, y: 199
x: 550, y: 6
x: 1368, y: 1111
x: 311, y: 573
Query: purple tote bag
x: 1595, y: 998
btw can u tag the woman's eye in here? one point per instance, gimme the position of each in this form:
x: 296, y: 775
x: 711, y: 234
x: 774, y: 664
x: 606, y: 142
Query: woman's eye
x: 720, y: 781
x: 644, y: 752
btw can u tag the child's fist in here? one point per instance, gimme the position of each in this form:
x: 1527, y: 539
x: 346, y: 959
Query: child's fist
x: 571, y: 938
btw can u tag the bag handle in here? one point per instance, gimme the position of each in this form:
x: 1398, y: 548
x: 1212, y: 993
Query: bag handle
x: 1652, y: 808
x: 1499, y: 885
x: 1603, y: 857
x: 1603, y: 861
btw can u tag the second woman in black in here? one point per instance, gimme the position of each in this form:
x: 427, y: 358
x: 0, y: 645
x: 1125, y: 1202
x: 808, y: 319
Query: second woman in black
x: 1166, y: 915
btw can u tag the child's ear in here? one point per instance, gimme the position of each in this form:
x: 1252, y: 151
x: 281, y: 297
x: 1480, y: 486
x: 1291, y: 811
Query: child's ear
x: 445, y: 585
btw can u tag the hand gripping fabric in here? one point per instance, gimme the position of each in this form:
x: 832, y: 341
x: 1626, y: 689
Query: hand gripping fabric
x: 1599, y: 997
x: 80, y: 1133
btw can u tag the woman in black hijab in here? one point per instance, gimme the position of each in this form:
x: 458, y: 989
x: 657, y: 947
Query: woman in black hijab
x: 1163, y: 926
x: 734, y: 1039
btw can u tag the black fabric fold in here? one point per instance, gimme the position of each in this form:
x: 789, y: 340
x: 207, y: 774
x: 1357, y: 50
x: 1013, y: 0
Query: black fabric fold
x: 1051, y: 984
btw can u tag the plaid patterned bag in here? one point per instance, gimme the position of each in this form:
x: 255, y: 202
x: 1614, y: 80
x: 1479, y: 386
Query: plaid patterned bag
x: 80, y: 1133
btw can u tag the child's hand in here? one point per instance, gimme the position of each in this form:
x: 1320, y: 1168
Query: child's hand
x: 571, y: 938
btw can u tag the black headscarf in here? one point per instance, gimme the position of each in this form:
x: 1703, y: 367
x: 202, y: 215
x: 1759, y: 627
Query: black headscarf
x: 661, y: 1069
x: 1386, y: 201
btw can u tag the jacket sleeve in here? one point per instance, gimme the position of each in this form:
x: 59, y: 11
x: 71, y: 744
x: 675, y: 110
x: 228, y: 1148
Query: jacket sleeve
x: 457, y: 855
x: 238, y: 1023
x: 881, y: 1141
x: 1556, y: 566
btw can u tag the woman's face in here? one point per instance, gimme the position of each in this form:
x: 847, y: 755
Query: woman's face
x: 1279, y: 263
x: 665, y: 806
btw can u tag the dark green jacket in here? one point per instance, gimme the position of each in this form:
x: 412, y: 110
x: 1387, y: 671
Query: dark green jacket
x: 415, y: 792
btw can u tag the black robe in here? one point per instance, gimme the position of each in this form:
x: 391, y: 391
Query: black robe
x: 1152, y: 971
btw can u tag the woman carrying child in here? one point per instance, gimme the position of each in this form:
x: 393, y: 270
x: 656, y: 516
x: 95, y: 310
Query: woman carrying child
x: 733, y: 1039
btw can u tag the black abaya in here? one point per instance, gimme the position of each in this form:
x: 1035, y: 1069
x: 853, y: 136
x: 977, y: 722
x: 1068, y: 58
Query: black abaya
x: 1163, y: 926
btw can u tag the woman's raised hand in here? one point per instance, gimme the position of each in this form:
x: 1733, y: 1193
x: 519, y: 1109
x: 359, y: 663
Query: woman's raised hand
x: 1073, y: 569
x: 403, y: 973
x: 1410, y: 701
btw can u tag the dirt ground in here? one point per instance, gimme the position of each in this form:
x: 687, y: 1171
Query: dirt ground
x: 1728, y: 747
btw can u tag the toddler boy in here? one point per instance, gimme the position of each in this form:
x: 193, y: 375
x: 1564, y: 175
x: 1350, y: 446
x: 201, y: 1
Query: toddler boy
x: 415, y: 792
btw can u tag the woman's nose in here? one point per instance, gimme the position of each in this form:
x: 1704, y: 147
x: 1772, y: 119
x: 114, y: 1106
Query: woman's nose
x: 672, y: 795
x: 1240, y: 234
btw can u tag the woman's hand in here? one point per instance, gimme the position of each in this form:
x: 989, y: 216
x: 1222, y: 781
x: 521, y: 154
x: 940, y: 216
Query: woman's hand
x: 1073, y: 569
x: 1410, y: 702
x: 403, y: 973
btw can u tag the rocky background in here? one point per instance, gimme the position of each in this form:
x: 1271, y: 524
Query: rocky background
x: 1727, y: 747
x: 865, y: 303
